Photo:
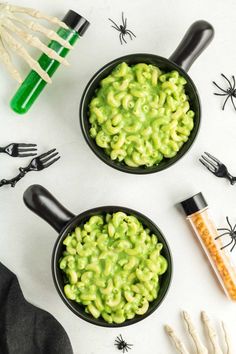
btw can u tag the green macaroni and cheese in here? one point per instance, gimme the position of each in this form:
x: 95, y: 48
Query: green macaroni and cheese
x: 140, y: 114
x: 112, y: 265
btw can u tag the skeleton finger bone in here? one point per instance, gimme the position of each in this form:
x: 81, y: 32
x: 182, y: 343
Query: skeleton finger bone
x: 200, y: 348
x: 179, y: 345
x: 226, y: 339
x: 36, y: 27
x: 36, y: 14
x: 21, y: 51
x: 6, y: 59
x: 34, y: 41
x: 211, y: 333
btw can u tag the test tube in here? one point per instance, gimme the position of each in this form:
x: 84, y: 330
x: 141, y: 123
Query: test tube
x: 33, y: 85
x: 220, y: 257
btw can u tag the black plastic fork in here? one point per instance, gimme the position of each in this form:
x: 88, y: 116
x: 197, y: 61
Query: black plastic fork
x: 37, y: 164
x: 19, y: 150
x: 216, y: 167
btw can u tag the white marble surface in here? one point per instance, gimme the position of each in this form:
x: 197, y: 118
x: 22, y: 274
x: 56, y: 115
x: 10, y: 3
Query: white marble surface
x: 81, y: 181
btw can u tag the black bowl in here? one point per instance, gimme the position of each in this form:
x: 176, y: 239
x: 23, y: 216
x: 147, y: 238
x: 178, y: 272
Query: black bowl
x: 93, y: 85
x: 40, y: 201
x: 196, y: 39
x: 58, y: 277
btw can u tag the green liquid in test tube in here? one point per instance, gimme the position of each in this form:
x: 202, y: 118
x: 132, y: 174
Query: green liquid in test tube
x: 33, y: 85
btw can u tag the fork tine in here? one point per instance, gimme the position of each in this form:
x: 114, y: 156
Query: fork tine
x: 207, y: 166
x: 212, y: 157
x: 44, y: 160
x: 50, y: 163
x: 46, y: 153
x: 27, y: 155
x: 27, y: 150
x: 210, y: 162
x: 26, y: 145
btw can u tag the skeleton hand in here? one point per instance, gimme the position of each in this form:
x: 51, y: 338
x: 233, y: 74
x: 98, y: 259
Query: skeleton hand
x: 8, y: 15
x: 199, y: 346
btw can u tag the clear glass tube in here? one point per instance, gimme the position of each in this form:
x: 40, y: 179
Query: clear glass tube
x: 220, y: 259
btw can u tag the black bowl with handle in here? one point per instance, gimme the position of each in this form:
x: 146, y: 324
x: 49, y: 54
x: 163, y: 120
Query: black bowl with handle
x: 40, y: 201
x: 196, y: 39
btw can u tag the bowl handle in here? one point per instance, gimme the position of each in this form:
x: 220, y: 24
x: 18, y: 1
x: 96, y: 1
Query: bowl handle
x: 39, y: 200
x: 195, y: 40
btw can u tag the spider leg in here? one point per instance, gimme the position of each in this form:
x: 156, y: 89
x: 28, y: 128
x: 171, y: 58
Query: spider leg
x: 123, y: 20
x: 115, y: 28
x: 226, y: 233
x: 227, y: 244
x: 121, y: 38
x: 233, y: 246
x: 234, y: 83
x: 225, y: 102
x: 234, y: 228
x: 219, y: 87
x: 220, y: 94
x: 114, y: 23
x: 131, y: 33
x: 227, y: 218
x: 223, y: 229
x: 230, y: 85
x: 121, y: 338
x: 231, y: 97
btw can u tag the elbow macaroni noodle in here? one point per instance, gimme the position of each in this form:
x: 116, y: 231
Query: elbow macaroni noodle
x: 141, y: 115
x: 112, y: 267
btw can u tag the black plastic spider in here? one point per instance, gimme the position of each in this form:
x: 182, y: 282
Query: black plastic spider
x: 230, y: 92
x: 231, y: 231
x: 122, y: 345
x: 122, y: 29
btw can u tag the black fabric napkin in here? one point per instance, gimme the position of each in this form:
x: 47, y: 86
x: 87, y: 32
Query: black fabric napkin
x: 24, y: 328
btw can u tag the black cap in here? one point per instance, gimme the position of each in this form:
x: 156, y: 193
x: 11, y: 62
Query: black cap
x: 194, y: 204
x: 76, y: 22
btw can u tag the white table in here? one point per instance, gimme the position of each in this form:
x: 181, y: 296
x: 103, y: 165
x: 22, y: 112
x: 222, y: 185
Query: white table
x: 81, y: 181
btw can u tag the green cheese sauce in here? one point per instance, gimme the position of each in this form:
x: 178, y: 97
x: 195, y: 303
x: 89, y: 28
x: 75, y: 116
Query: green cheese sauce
x: 141, y: 115
x: 112, y: 266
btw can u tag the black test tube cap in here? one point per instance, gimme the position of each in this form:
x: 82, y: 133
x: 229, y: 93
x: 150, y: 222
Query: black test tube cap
x: 76, y: 22
x: 196, y: 203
